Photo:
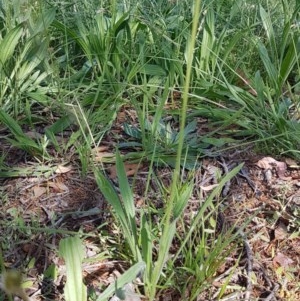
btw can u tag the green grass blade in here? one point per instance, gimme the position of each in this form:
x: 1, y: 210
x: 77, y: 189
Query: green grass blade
x: 268, y: 26
x: 129, y: 276
x: 290, y: 59
x: 128, y: 205
x: 208, y: 40
x: 21, y: 140
x: 126, y: 192
x: 268, y: 64
x: 208, y: 203
x: 122, y: 210
x: 11, y: 124
x: 112, y: 197
x: 181, y: 199
x: 146, y: 246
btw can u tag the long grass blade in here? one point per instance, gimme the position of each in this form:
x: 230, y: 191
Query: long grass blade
x: 129, y: 276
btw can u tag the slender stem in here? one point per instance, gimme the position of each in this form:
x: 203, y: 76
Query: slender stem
x: 169, y: 224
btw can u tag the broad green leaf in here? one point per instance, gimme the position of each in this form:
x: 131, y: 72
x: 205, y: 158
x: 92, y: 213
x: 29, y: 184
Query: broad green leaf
x: 121, y: 24
x: 71, y: 249
x: 128, y: 205
x: 9, y: 43
x: 190, y: 127
x: 60, y: 125
x: 110, y: 195
x: 154, y: 70
x: 132, y: 131
x: 45, y: 20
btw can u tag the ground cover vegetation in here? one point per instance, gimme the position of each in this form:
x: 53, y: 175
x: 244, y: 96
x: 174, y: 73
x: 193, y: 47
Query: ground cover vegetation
x: 137, y: 146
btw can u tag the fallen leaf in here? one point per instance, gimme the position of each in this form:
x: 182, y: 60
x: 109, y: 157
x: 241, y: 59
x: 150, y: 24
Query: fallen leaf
x: 209, y: 187
x: 281, y: 231
x: 100, y: 156
x: 130, y: 169
x: 101, y: 152
x: 100, y: 149
x: 268, y: 163
x: 33, y: 135
x: 282, y: 260
x: 58, y: 186
x: 62, y: 169
x: 281, y: 169
x: 291, y: 163
x: 39, y: 191
x: 121, y: 117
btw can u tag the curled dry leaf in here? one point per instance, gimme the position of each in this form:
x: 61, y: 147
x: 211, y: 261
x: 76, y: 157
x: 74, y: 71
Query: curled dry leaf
x: 209, y: 187
x: 62, y: 169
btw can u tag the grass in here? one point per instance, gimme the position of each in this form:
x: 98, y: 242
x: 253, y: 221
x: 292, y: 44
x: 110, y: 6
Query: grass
x: 69, y: 70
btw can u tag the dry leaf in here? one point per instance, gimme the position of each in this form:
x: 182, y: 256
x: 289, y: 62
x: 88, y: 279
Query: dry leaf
x: 58, y: 186
x: 268, y: 163
x: 100, y: 149
x: 101, y: 152
x: 130, y: 169
x: 62, y: 169
x: 39, y: 191
x: 281, y: 231
x: 281, y: 169
x: 291, y: 163
x: 121, y: 117
x: 100, y: 156
x: 33, y: 135
x: 209, y: 187
x: 282, y: 260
